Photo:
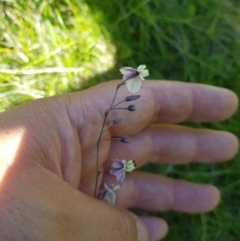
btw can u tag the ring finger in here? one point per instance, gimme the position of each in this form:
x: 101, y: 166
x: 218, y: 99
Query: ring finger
x: 158, y: 193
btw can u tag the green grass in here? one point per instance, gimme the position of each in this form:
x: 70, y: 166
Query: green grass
x: 192, y: 41
x: 37, y: 37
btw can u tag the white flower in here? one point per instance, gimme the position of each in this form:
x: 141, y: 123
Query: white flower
x: 133, y: 77
x: 107, y: 194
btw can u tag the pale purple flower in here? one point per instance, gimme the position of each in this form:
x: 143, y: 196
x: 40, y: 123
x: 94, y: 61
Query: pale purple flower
x: 133, y: 77
x: 107, y: 194
x: 120, y: 167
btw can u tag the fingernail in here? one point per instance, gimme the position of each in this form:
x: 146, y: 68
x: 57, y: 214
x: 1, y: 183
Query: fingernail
x: 142, y: 231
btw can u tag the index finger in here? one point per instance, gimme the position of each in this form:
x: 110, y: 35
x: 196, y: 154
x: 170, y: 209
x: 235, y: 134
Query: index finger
x: 160, y: 102
x: 177, y: 102
x: 171, y: 101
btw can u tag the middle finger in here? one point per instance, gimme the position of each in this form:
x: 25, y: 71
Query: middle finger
x: 172, y: 144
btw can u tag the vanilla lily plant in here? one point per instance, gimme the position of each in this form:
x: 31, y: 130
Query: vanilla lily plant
x: 132, y: 78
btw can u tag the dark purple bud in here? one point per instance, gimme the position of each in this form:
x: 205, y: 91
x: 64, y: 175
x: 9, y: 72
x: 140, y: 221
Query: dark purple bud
x: 132, y: 97
x: 132, y: 107
x: 125, y: 139
x: 116, y: 121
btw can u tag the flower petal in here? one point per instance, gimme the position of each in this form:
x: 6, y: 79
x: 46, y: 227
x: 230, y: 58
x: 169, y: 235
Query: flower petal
x: 144, y: 73
x: 141, y: 67
x: 110, y: 197
x: 118, y: 164
x: 126, y: 70
x: 134, y: 84
x: 128, y: 73
x: 118, y: 173
x: 107, y: 187
x: 120, y: 177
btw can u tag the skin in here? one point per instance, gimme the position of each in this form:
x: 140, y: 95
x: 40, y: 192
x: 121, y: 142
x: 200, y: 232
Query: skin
x: 48, y: 161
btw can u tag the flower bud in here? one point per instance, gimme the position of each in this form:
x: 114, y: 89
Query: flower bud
x: 131, y: 108
x: 132, y: 97
x: 125, y: 139
x: 116, y: 121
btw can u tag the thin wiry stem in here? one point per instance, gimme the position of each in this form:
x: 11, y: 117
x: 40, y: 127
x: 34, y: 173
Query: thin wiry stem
x: 121, y: 108
x: 118, y: 103
x: 100, y: 137
x: 112, y: 138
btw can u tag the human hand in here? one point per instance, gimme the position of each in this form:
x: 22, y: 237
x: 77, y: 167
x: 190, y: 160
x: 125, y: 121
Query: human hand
x: 48, y: 161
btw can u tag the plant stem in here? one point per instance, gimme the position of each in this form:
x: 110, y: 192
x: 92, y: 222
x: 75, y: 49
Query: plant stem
x: 99, y: 139
x: 120, y: 108
x: 118, y: 103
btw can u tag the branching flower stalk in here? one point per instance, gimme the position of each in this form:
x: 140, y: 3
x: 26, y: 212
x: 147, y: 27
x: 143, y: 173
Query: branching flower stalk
x: 132, y: 79
x: 100, y: 137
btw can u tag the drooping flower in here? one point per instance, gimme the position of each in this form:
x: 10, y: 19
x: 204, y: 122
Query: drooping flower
x: 107, y: 194
x: 133, y: 77
x: 120, y: 167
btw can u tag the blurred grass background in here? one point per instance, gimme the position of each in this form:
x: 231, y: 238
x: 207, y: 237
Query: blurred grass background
x: 49, y: 47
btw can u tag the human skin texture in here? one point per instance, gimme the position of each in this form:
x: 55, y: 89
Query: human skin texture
x: 48, y: 161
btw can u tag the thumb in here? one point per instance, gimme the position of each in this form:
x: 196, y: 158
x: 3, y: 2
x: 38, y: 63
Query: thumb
x: 101, y: 221
x: 87, y: 218
x: 47, y: 206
